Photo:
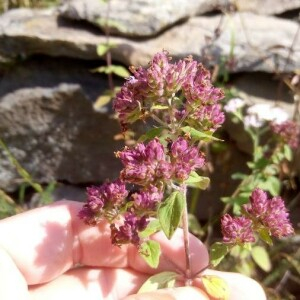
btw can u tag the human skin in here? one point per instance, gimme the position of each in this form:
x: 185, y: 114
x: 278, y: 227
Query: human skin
x: 49, y: 253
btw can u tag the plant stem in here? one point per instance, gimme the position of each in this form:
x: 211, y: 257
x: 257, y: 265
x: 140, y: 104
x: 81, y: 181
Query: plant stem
x: 108, y: 53
x: 185, y: 224
x: 158, y: 120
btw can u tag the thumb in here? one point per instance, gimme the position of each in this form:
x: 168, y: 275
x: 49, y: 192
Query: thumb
x: 179, y: 293
x: 12, y: 282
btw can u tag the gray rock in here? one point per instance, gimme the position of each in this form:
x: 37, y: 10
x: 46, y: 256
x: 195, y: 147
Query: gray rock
x: 52, y: 129
x: 266, y: 7
x: 137, y: 18
x: 257, y: 43
x: 140, y: 18
x: 68, y: 192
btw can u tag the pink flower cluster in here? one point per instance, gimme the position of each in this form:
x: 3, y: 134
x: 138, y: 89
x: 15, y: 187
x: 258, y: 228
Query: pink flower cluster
x: 151, y: 167
x: 288, y: 131
x: 237, y: 230
x: 101, y: 198
x: 184, y: 159
x: 145, y: 164
x: 174, y: 95
x: 128, y: 232
x: 261, y: 213
x: 161, y: 82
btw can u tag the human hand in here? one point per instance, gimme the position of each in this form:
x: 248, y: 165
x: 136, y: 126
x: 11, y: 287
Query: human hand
x: 49, y: 253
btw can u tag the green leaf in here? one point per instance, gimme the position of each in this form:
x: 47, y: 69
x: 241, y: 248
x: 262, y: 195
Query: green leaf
x: 250, y: 165
x: 215, y: 287
x: 197, y: 181
x: 152, y: 227
x: 8, y: 207
x: 261, y: 163
x: 261, y: 258
x: 247, y: 246
x: 240, y: 252
x: 134, y: 115
x: 238, y: 176
x: 288, y: 153
x: 151, y: 134
x: 126, y: 207
x: 198, y: 135
x: 120, y: 71
x: 102, y: 69
x: 271, y: 170
x: 245, y: 267
x: 265, y: 236
x: 217, y: 253
x: 169, y: 213
x: 159, y: 281
x: 21, y: 171
x: 150, y: 251
x: 47, y: 194
x: 272, y: 185
x: 104, y: 48
x: 102, y: 101
x: 159, y: 107
x: 237, y: 201
x: 117, y: 70
x: 278, y: 157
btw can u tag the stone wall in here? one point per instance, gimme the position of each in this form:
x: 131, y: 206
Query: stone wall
x: 47, y: 89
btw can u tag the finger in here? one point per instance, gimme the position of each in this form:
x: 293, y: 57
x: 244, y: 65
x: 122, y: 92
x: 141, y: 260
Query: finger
x: 47, y: 241
x: 240, y: 286
x: 40, y: 241
x: 10, y: 278
x: 180, y: 293
x: 86, y: 283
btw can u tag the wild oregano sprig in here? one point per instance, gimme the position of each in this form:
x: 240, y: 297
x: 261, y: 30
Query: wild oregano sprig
x: 150, y: 193
x: 178, y: 93
x: 261, y: 214
x: 178, y: 97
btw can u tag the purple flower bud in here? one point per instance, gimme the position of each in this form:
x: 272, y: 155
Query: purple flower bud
x: 131, y: 96
x: 110, y: 194
x: 128, y: 232
x: 258, y: 203
x: 210, y: 117
x: 95, y: 199
x: 200, y: 90
x: 237, y: 230
x: 144, y: 164
x: 157, y: 72
x: 288, y: 131
x: 178, y: 74
x: 276, y: 219
x: 89, y: 216
x: 155, y: 151
x: 114, y: 192
x: 126, y: 101
x: 179, y: 147
x: 148, y: 198
x: 185, y: 158
x: 160, y: 82
x: 271, y: 213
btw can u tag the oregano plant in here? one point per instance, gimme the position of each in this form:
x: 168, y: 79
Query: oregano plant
x: 179, y: 102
